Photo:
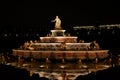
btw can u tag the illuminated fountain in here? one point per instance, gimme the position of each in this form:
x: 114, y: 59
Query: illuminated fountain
x: 63, y: 47
x: 59, y: 45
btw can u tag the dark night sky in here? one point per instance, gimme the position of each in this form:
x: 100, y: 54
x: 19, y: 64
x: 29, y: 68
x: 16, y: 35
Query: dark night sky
x: 17, y: 17
x: 71, y: 13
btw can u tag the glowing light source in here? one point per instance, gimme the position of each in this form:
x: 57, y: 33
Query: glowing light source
x: 42, y: 66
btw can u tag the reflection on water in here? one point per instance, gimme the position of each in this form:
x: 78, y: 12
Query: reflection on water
x: 57, y: 68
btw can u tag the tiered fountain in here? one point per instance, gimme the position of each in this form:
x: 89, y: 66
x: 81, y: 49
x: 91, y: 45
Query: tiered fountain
x: 59, y: 45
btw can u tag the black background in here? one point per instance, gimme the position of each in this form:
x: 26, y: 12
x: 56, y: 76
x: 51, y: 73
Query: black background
x: 34, y: 17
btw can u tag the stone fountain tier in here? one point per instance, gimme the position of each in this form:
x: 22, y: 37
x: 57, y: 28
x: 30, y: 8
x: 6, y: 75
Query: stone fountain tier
x: 57, y: 36
x: 60, y: 46
x: 58, y: 39
x: 58, y: 33
x: 70, y: 55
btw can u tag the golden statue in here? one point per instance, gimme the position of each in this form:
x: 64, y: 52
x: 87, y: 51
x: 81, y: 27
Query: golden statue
x: 57, y: 22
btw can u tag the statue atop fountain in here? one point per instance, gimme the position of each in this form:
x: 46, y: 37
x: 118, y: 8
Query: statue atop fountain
x: 58, y: 31
x: 57, y: 23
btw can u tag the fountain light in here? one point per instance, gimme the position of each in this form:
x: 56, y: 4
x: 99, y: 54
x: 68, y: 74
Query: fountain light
x: 47, y: 60
x: 62, y: 66
x: 80, y: 61
x: 47, y: 66
x: 84, y: 66
x: 42, y: 66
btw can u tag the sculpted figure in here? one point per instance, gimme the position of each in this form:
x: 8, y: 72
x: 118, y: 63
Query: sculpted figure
x: 57, y: 22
